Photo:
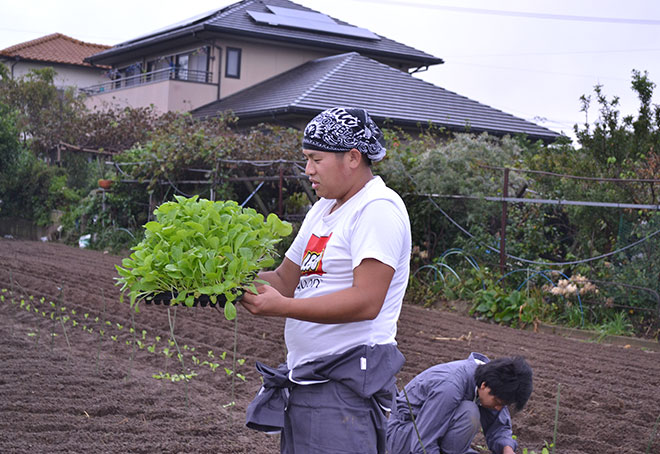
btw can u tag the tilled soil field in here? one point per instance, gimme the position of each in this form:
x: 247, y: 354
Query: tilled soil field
x: 64, y: 387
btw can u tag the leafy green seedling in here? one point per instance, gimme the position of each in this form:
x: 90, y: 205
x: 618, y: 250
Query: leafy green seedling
x: 200, y: 247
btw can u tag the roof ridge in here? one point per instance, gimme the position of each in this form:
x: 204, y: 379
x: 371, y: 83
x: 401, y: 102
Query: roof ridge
x: 231, y: 8
x: 346, y: 58
x: 32, y: 42
x: 44, y: 39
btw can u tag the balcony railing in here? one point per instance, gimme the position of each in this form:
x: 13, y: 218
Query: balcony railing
x: 189, y: 75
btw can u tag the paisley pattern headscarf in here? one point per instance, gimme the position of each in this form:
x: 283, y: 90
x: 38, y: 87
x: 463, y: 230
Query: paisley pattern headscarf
x: 341, y: 129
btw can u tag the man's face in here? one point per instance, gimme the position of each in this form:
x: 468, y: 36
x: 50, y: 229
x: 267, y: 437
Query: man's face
x: 328, y: 173
x: 488, y: 400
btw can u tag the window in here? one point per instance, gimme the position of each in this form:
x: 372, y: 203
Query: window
x: 192, y: 65
x: 182, y: 66
x: 233, y: 67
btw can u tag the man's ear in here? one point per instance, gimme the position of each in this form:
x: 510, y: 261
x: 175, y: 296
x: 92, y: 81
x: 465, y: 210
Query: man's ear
x: 355, y: 157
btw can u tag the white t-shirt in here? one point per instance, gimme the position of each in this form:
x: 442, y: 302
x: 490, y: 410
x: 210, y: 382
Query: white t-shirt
x: 373, y: 224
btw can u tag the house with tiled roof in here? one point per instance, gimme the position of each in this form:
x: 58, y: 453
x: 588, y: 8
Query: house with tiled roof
x: 280, y: 62
x: 64, y: 54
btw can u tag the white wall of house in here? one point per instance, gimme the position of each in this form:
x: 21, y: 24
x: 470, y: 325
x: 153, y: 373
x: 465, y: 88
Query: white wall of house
x: 67, y: 75
x: 165, y: 96
x: 260, y: 62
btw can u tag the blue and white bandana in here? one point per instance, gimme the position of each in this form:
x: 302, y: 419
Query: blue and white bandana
x: 341, y: 129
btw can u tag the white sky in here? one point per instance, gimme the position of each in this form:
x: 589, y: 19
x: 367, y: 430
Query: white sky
x: 530, y: 59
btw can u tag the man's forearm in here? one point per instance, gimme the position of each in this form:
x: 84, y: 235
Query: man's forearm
x: 275, y: 280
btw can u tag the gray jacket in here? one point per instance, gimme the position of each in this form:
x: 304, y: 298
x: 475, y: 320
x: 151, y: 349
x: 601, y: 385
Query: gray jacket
x: 434, y: 395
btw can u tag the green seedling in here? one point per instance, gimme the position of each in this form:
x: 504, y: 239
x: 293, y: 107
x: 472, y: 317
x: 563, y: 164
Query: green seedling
x: 114, y: 338
x: 144, y: 334
x: 151, y: 348
x: 230, y: 243
x: 174, y: 377
x: 213, y: 366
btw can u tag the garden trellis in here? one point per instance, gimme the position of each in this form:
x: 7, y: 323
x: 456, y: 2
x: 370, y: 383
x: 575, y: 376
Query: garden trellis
x: 234, y: 171
x: 505, y: 200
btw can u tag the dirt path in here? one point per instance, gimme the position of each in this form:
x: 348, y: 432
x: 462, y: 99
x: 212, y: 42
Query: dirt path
x: 56, y: 397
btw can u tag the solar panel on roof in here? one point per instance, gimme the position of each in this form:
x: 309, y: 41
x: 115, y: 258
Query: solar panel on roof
x: 308, y: 20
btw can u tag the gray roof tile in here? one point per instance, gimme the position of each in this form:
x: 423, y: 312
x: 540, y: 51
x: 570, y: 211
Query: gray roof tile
x: 387, y: 93
x: 235, y: 20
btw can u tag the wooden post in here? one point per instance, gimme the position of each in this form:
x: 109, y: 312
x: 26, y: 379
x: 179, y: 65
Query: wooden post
x: 280, y: 205
x: 505, y: 194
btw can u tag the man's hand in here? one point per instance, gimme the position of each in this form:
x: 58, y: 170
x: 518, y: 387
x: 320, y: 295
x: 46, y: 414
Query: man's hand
x: 268, y: 301
x: 508, y: 450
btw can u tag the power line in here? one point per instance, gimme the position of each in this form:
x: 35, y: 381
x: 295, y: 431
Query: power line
x: 531, y: 54
x: 531, y: 15
x: 575, y: 177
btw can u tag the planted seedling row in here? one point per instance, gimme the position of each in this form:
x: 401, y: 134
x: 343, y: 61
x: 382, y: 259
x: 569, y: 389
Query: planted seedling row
x: 112, y: 330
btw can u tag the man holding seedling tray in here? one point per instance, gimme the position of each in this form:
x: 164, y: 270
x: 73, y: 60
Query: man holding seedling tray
x: 340, y: 287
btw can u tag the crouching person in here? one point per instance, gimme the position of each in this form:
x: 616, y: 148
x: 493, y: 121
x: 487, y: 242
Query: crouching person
x: 450, y: 401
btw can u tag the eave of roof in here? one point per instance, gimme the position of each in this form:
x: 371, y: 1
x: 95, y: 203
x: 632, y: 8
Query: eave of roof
x: 234, y: 20
x: 387, y: 93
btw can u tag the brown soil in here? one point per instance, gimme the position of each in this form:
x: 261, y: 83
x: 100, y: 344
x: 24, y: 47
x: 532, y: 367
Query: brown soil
x: 57, y: 398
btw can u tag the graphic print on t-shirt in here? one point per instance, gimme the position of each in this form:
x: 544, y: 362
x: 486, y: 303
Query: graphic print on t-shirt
x: 311, y: 261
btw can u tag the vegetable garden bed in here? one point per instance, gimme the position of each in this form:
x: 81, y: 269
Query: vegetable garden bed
x: 55, y: 398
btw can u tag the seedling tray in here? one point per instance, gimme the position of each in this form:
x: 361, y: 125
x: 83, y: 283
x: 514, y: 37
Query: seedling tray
x: 165, y: 299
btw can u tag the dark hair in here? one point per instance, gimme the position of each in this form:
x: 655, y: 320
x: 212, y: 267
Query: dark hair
x: 509, y: 379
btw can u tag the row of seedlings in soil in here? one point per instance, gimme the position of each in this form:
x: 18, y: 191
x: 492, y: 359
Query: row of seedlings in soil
x: 110, y: 329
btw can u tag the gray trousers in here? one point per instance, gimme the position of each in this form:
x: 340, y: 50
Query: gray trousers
x: 329, y: 418
x: 464, y: 426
